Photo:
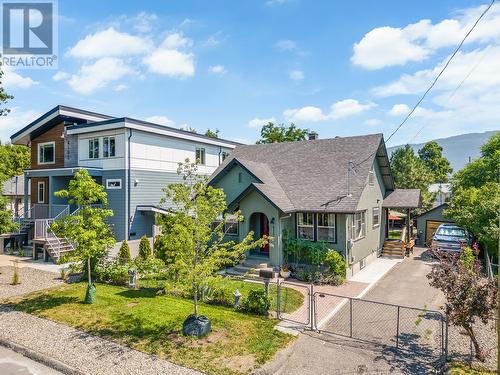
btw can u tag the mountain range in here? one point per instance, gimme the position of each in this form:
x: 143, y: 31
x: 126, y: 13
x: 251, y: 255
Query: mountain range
x: 458, y: 149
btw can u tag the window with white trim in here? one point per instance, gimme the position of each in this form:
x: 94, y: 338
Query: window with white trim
x: 94, y: 148
x: 114, y: 183
x: 108, y: 147
x: 231, y: 227
x: 200, y: 155
x: 47, y: 153
x: 41, y: 191
x: 357, y: 225
x: 326, y: 227
x: 305, y: 226
x: 375, y: 217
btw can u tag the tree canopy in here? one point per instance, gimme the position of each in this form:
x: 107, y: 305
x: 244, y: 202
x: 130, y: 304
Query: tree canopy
x: 212, y: 133
x: 410, y: 172
x: 14, y: 160
x: 271, y: 133
x: 432, y: 156
x: 476, y: 196
x: 192, y: 239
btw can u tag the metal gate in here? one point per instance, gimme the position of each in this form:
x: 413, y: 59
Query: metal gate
x: 302, y: 315
x: 417, y: 330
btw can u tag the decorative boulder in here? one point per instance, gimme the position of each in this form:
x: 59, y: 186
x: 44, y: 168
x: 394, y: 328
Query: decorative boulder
x: 196, y: 326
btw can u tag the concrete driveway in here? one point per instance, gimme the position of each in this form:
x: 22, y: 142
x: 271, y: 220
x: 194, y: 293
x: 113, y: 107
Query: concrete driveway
x: 12, y: 363
x: 324, y: 353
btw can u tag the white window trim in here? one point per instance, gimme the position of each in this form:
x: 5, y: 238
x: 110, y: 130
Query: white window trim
x: 373, y: 211
x: 108, y: 138
x: 40, y: 145
x: 201, y: 162
x: 305, y: 226
x: 98, y: 148
x: 331, y: 226
x: 108, y: 180
x: 40, y: 183
x: 353, y: 225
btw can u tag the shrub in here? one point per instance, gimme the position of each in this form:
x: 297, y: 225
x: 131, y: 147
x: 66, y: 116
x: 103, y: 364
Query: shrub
x: 302, y: 275
x: 149, y: 265
x: 332, y: 279
x: 64, y: 274
x: 177, y: 290
x: 145, y: 251
x: 15, y: 277
x: 220, y: 295
x: 335, y: 262
x: 257, y: 302
x: 113, y: 272
x: 124, y: 252
x: 21, y: 252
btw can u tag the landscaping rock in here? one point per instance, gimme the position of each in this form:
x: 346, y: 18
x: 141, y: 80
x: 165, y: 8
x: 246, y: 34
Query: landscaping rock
x: 196, y: 326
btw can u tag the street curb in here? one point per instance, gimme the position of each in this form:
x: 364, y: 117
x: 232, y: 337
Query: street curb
x: 276, y: 363
x: 37, y: 357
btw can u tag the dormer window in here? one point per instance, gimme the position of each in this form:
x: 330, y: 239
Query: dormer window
x: 46, y: 153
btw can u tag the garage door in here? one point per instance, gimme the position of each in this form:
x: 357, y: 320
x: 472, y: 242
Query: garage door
x: 430, y: 228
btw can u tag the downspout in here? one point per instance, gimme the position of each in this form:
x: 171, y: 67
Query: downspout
x: 128, y: 184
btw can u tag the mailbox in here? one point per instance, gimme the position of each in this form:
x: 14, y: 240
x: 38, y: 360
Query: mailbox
x: 266, y: 273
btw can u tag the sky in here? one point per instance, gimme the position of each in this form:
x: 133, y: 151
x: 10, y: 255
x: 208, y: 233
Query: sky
x: 336, y: 67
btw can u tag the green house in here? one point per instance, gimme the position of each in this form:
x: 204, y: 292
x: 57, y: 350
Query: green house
x: 328, y: 190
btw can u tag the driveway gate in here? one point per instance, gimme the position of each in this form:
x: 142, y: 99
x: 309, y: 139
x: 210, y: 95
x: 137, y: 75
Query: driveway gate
x: 303, y: 315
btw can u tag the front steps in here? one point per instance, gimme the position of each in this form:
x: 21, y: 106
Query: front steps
x: 250, y: 267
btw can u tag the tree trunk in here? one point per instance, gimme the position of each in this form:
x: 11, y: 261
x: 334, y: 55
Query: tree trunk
x: 196, y: 301
x: 88, y: 271
x: 477, y: 349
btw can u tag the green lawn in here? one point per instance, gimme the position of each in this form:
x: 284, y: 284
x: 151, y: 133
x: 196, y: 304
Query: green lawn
x: 291, y: 299
x: 462, y: 369
x: 152, y: 323
x: 395, y: 234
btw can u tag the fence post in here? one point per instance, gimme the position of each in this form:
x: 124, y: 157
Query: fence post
x: 311, y: 307
x: 350, y: 317
x: 397, y: 330
x: 278, y: 301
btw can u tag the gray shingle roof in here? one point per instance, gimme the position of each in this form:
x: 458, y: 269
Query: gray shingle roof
x: 403, y: 198
x: 310, y: 175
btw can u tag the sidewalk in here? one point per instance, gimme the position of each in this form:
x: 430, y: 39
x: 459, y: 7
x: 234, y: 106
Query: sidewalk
x: 7, y: 260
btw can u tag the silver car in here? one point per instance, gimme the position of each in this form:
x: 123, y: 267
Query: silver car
x: 450, y: 238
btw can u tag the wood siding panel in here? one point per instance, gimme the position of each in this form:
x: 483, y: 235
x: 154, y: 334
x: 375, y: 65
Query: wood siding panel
x: 34, y: 189
x: 52, y: 135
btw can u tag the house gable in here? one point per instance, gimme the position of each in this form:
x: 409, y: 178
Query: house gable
x: 234, y: 180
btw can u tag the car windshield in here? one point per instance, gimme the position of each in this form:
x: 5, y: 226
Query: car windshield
x: 451, y: 231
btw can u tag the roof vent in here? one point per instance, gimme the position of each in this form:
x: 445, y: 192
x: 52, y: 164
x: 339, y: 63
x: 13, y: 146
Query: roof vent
x: 313, y: 136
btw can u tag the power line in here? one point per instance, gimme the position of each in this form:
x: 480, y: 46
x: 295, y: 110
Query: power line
x: 435, y: 79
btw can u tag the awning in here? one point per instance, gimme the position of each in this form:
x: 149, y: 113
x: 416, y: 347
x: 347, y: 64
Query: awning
x: 403, y: 198
x: 152, y: 209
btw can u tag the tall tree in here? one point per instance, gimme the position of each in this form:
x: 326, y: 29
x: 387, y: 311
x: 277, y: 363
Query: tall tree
x: 475, y: 201
x: 410, y: 172
x: 212, y: 133
x: 432, y: 156
x: 87, y: 228
x: 271, y: 133
x: 193, y: 233
x: 4, y: 97
x: 14, y: 160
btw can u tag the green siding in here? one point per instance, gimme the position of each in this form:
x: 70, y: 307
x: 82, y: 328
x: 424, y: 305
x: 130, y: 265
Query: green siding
x: 231, y: 185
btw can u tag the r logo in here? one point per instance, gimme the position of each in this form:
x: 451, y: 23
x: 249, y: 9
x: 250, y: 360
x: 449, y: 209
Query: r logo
x: 28, y: 28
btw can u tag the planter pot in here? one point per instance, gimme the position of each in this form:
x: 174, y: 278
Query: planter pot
x: 198, y: 327
x: 285, y: 274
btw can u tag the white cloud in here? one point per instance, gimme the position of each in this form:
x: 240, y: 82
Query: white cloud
x: 14, y: 121
x: 348, y: 107
x: 340, y: 109
x: 259, y: 122
x: 110, y: 43
x: 286, y: 45
x: 99, y: 74
x: 61, y: 76
x: 296, y: 75
x: 389, y: 46
x: 372, y: 122
x: 143, y: 22
x: 169, y: 58
x: 399, y: 110
x: 120, y: 87
x: 11, y: 79
x: 217, y: 69
x: 161, y: 120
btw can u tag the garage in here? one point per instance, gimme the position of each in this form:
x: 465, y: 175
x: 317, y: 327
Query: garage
x: 428, y: 222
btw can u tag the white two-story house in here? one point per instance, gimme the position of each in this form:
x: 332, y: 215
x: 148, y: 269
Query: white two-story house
x: 133, y: 159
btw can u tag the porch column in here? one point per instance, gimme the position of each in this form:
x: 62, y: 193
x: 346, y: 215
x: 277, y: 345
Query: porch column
x: 408, y: 225
x: 26, y: 198
x: 50, y: 197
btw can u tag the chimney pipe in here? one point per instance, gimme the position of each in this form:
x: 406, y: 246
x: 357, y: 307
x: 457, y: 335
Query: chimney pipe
x: 313, y: 136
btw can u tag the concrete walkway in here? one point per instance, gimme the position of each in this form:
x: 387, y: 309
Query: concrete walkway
x: 7, y: 260
x: 12, y: 363
x: 323, y: 353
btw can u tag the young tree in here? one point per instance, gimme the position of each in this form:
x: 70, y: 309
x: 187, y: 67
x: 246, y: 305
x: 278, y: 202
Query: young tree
x: 6, y: 223
x: 410, y: 172
x: 475, y: 201
x: 432, y: 156
x: 145, y: 251
x: 194, y: 231
x: 124, y: 252
x: 470, y: 297
x: 87, y: 228
x: 271, y: 133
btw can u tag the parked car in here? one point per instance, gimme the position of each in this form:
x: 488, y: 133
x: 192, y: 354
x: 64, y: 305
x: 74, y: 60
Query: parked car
x: 450, y: 238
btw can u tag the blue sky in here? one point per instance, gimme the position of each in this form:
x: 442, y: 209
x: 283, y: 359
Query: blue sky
x: 339, y: 68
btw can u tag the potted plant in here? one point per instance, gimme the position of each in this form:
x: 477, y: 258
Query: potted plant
x: 285, y: 272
